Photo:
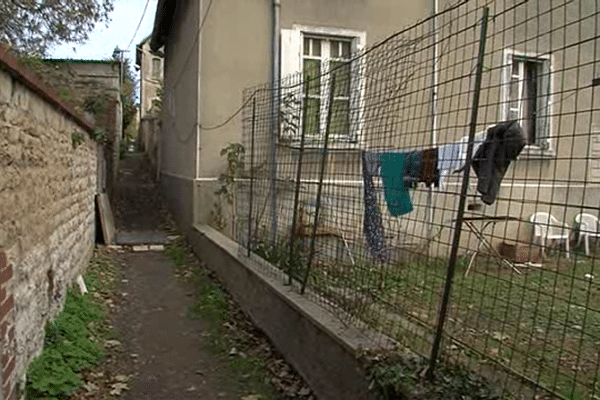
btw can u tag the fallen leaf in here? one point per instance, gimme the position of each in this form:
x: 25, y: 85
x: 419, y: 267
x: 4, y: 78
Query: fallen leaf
x: 117, y: 388
x: 500, y: 337
x: 252, y: 397
x: 112, y: 343
x: 122, y: 378
x: 90, y: 387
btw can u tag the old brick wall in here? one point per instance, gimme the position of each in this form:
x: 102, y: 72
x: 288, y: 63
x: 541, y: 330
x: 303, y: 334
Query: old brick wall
x: 48, y: 180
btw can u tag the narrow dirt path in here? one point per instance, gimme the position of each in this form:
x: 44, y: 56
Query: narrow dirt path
x: 160, y: 345
x: 163, y: 345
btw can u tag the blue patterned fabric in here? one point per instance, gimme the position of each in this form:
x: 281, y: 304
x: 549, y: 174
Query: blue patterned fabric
x: 372, y: 223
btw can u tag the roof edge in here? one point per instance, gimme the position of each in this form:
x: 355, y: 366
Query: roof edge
x: 163, y: 22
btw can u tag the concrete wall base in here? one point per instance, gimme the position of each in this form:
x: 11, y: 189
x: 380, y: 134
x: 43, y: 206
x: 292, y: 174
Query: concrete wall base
x: 179, y: 195
x: 313, y: 340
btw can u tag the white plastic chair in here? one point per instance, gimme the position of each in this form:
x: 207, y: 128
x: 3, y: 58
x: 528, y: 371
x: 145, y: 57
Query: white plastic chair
x: 588, y: 228
x: 546, y: 228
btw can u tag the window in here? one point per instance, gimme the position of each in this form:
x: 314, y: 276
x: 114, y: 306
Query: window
x: 156, y: 68
x: 528, y: 97
x: 319, y: 54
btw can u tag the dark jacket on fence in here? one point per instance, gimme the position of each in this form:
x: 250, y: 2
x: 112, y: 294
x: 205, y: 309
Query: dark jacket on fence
x: 502, y: 144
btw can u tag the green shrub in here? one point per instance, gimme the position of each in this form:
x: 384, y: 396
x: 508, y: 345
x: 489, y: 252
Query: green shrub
x: 67, y: 350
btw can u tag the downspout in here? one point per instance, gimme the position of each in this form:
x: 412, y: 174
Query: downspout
x: 275, y: 82
x: 434, y: 112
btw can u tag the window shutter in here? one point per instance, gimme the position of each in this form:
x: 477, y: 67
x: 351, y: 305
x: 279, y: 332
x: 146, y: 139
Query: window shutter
x: 543, y: 105
x: 290, y: 98
x: 290, y: 52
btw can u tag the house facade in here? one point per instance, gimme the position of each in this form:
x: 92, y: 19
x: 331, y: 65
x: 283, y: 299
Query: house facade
x: 214, y: 50
x: 150, y: 65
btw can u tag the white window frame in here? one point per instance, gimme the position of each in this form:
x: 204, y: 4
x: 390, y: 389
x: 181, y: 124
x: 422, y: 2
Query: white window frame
x: 154, y: 74
x: 544, y: 146
x: 292, y: 41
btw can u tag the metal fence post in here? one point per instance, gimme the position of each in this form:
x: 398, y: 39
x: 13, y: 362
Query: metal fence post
x: 435, y: 348
x: 274, y: 138
x: 251, y: 175
x: 320, y: 187
x: 298, y: 179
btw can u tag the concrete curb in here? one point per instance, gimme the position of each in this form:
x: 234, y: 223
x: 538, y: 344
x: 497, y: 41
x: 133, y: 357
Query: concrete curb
x: 318, y: 345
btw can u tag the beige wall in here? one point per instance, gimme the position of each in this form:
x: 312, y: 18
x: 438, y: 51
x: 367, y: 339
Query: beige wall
x: 149, y: 82
x: 236, y: 54
x: 180, y: 98
x: 378, y: 18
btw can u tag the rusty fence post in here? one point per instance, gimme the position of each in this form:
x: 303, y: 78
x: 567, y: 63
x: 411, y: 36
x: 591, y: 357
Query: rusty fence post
x: 442, y: 313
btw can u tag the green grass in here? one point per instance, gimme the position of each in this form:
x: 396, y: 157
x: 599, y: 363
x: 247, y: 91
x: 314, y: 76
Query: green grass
x: 543, y: 323
x: 74, y: 339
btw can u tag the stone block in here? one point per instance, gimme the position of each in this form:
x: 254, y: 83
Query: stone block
x: 21, y: 97
x: 6, y: 84
x: 140, y: 248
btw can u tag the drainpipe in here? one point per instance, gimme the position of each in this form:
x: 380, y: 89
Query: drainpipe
x: 434, y: 110
x: 275, y: 82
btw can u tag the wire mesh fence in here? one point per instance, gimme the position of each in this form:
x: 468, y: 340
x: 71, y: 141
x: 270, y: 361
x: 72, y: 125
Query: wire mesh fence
x: 442, y: 187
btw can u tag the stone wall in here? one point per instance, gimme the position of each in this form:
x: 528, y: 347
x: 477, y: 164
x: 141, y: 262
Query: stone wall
x: 93, y: 89
x: 48, y: 180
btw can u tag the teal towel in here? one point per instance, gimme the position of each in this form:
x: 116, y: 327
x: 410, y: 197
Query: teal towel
x: 396, y: 194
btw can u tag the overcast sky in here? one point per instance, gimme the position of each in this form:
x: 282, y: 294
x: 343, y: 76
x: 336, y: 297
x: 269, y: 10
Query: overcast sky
x: 120, y: 30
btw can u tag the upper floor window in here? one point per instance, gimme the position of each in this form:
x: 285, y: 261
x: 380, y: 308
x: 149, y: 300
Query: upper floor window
x: 320, y: 54
x: 156, y: 68
x: 527, y: 97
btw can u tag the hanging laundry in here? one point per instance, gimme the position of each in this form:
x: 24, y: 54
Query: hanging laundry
x: 452, y: 156
x: 394, y: 169
x: 430, y: 173
x: 399, y: 171
x: 502, y: 144
x: 372, y: 224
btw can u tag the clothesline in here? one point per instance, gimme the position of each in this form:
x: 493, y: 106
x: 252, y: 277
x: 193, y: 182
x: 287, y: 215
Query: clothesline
x: 401, y: 170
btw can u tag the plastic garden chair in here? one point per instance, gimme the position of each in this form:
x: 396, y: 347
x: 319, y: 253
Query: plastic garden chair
x: 547, y: 228
x: 588, y: 228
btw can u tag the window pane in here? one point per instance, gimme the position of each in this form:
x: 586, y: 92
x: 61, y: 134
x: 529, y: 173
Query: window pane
x: 335, y: 48
x: 306, y: 50
x: 340, y: 117
x: 156, y: 68
x: 346, y: 50
x: 341, y: 70
x: 515, y: 67
x: 312, y: 116
x: 316, y: 50
x: 312, y: 72
x: 513, y: 95
x: 530, y: 101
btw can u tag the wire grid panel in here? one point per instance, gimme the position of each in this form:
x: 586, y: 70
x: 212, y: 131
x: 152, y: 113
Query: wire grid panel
x: 323, y: 150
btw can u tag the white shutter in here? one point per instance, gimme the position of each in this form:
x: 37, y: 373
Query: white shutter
x: 290, y: 52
